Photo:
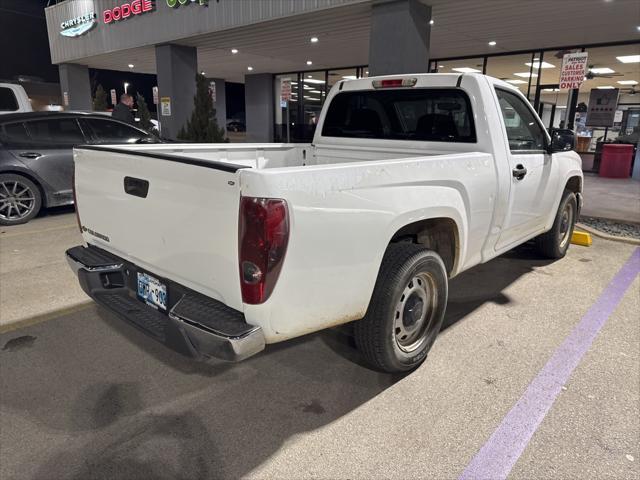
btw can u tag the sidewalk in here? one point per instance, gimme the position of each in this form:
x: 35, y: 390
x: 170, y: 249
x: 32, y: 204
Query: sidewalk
x: 612, y: 198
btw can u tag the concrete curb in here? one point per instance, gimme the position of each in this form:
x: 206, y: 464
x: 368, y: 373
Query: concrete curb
x: 43, y: 317
x: 613, y: 238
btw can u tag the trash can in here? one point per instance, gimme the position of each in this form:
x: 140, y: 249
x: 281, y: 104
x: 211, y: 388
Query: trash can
x: 616, y: 160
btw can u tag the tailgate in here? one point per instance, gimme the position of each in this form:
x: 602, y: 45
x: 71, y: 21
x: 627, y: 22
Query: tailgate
x: 186, y: 226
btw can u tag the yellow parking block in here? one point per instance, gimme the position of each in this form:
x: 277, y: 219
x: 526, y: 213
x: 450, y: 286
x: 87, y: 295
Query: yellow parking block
x: 581, y: 238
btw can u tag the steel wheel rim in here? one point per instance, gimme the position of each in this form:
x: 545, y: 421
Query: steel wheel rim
x: 566, y: 220
x: 414, y: 313
x: 17, y: 200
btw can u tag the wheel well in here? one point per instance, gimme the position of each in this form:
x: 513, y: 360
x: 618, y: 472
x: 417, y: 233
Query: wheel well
x: 574, y: 184
x: 33, y: 179
x: 437, y: 234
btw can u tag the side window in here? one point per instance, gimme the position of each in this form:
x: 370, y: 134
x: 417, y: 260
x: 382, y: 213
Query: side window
x: 523, y: 130
x: 14, y: 134
x: 52, y: 132
x: 8, y: 101
x: 107, y: 131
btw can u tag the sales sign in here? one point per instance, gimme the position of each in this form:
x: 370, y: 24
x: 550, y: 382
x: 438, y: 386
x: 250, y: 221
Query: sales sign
x: 155, y: 95
x: 212, y: 91
x: 114, y: 98
x: 574, y: 68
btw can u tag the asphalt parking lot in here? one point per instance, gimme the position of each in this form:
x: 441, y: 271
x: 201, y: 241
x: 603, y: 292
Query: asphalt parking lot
x: 85, y: 395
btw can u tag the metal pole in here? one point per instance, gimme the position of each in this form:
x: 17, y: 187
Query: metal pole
x: 288, y: 123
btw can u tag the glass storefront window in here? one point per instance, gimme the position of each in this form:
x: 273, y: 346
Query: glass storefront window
x: 516, y: 70
x: 345, y: 74
x: 314, y: 91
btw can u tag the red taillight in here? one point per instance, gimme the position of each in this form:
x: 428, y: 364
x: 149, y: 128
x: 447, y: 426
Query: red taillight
x: 75, y: 200
x: 264, y: 234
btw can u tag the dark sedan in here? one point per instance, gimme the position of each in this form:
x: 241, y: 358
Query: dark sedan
x: 36, y: 157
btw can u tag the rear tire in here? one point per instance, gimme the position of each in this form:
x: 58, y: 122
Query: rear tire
x: 555, y: 243
x: 406, y: 310
x: 20, y: 199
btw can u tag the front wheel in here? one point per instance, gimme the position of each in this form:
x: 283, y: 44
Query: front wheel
x: 406, y: 311
x: 555, y: 242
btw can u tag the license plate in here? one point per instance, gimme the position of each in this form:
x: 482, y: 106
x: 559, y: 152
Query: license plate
x: 152, y: 291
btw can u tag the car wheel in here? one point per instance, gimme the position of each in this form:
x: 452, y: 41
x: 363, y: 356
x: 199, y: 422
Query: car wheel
x: 555, y: 242
x: 20, y: 199
x: 406, y: 310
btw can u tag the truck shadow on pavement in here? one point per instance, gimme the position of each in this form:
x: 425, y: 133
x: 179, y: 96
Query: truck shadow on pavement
x: 119, y: 405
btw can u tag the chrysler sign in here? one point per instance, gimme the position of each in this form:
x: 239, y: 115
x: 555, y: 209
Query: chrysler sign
x: 78, y: 25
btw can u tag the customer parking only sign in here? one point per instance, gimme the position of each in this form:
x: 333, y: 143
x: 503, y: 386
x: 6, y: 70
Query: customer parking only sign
x: 574, y: 68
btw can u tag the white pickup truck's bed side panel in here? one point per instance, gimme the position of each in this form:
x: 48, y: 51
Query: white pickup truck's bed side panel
x: 186, y: 229
x: 342, y: 218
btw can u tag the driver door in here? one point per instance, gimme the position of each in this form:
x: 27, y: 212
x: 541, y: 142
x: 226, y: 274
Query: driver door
x: 532, y: 183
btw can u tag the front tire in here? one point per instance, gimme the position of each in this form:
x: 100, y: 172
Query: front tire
x: 555, y: 243
x: 20, y: 199
x: 406, y: 310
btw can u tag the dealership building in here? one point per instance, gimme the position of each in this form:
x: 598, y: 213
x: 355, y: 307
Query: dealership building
x: 289, y: 53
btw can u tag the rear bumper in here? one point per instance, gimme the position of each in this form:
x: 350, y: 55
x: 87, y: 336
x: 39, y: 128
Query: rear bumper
x: 194, y: 325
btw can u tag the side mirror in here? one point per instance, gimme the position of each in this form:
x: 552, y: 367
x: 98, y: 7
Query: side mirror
x: 562, y: 140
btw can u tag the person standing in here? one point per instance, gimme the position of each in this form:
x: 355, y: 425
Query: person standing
x: 122, y: 111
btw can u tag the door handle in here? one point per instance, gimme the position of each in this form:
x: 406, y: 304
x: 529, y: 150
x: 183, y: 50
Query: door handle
x: 29, y: 154
x: 519, y: 172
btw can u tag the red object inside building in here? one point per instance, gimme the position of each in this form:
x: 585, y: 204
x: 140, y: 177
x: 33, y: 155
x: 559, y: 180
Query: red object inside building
x: 616, y: 160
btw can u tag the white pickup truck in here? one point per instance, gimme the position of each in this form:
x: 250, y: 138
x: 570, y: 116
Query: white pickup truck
x: 217, y: 250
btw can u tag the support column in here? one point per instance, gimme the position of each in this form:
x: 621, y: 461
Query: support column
x: 258, y: 97
x: 399, y: 38
x: 176, y: 68
x: 221, y: 102
x: 75, y: 86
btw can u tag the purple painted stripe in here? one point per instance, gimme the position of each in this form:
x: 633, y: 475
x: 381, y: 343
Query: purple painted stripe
x: 497, y: 457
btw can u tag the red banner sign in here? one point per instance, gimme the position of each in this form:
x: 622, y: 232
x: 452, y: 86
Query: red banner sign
x: 126, y: 10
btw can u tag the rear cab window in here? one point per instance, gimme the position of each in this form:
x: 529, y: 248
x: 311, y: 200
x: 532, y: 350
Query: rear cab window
x: 426, y: 114
x: 8, y: 100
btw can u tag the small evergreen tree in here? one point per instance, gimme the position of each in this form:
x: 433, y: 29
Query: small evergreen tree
x: 100, y: 100
x: 144, y: 115
x: 202, y: 127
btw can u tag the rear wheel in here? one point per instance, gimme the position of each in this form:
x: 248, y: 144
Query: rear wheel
x: 555, y: 242
x: 406, y: 311
x: 20, y: 199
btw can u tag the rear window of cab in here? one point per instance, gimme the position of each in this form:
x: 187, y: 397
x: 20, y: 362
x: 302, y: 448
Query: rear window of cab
x: 427, y: 114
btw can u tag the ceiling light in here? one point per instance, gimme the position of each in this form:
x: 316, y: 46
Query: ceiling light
x: 309, y: 76
x: 367, y: 72
x: 526, y: 75
x: 638, y: 28
x: 465, y: 70
x: 131, y: 65
x: 234, y: 50
x: 314, y: 39
x: 309, y: 62
x: 492, y: 43
x: 629, y: 58
x: 203, y: 73
x: 431, y: 22
x: 605, y: 87
x: 516, y: 81
x: 349, y: 77
x: 550, y: 89
x: 536, y: 64
x: 315, y: 91
x: 441, y: 66
x: 601, y: 70
x: 313, y: 80
x: 627, y: 82
x: 250, y: 68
